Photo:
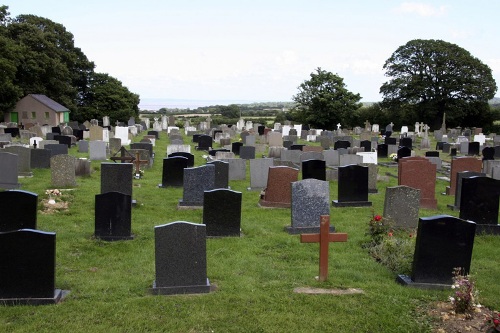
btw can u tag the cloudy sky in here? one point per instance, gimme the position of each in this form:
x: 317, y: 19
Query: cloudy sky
x: 261, y: 50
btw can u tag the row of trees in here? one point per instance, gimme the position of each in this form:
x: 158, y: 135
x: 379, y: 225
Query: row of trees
x: 427, y: 78
x: 38, y: 56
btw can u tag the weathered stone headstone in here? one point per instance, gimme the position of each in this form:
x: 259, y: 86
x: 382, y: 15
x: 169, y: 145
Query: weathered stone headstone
x: 23, y: 161
x: 352, y: 187
x: 113, y: 216
x: 222, y: 212
x: 97, y: 150
x: 18, y: 209
x: 196, y: 181
x: 310, y: 200
x: 479, y: 203
x: 28, y: 267
x: 278, y: 192
x: 401, y: 206
x: 96, y: 133
x: 443, y: 243
x: 62, y: 169
x: 180, y: 259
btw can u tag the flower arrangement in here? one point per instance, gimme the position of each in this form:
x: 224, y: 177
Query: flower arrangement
x: 52, y: 193
x: 465, y: 294
x: 493, y: 322
x: 378, y: 227
x: 393, y: 157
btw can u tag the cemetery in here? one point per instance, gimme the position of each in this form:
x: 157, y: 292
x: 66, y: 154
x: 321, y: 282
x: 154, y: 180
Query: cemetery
x: 169, y: 229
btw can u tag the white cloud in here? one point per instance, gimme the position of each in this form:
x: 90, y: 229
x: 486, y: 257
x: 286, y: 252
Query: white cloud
x: 421, y: 9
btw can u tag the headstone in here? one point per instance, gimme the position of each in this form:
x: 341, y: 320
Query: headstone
x: 121, y: 132
x: 97, y: 150
x: 419, y: 173
x: 401, y: 206
x: 222, y: 212
x: 173, y: 171
x: 404, y: 152
x: 341, y: 144
x: 314, y: 169
x: 82, y: 167
x: 18, y: 209
x: 23, y: 161
x: 488, y: 153
x: 237, y: 168
x: 259, y: 171
x: 40, y: 158
x: 382, y: 150
x: 189, y: 156
x: 458, y: 187
x: 372, y: 177
x: 352, y: 187
x: 443, y: 243
x: 221, y: 174
x: 247, y: 152
x: 460, y: 164
x: 196, y: 181
x: 113, y: 216
x: 278, y: 191
x: 83, y: 146
x: 480, y: 202
x: 180, y: 259
x: 28, y: 267
x: 275, y: 139
x: 474, y: 148
x: 204, y: 142
x: 57, y: 149
x: 114, y: 145
x: 116, y: 177
x: 62, y: 169
x: 96, y: 133
x: 310, y: 200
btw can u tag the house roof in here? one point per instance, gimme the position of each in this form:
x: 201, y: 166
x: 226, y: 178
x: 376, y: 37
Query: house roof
x: 50, y: 103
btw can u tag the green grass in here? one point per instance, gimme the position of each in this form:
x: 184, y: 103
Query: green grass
x: 255, y: 274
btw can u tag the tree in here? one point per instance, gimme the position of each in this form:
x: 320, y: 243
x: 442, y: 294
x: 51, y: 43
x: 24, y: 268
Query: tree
x: 107, y: 96
x: 323, y: 101
x: 230, y: 111
x: 433, y: 77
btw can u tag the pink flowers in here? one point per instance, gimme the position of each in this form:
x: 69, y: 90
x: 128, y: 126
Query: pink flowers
x: 377, y: 218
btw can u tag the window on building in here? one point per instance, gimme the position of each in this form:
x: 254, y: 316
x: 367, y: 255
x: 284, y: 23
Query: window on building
x: 46, y: 115
x: 33, y: 115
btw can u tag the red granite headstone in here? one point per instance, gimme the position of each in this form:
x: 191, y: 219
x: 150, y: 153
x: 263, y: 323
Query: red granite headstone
x: 419, y: 173
x: 278, y: 192
x: 460, y: 164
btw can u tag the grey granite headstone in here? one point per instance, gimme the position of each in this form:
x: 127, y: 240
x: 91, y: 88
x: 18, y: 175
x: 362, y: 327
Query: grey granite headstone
x: 196, y: 181
x: 247, y: 152
x: 221, y: 174
x: 180, y: 259
x: 24, y: 159
x: 9, y: 171
x: 97, y: 150
x: 62, y: 169
x: 116, y: 177
x: 310, y: 200
x: 57, y: 149
x: 401, y: 206
x: 259, y: 170
x: 83, y: 146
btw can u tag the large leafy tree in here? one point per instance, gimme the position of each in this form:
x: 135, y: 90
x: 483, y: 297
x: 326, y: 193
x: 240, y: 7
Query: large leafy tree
x: 106, y: 95
x: 323, y: 101
x: 431, y: 77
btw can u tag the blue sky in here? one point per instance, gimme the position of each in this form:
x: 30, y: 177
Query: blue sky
x: 258, y: 50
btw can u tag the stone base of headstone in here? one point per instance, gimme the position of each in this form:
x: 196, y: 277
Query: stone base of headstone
x: 272, y: 204
x: 405, y: 280
x: 453, y: 207
x: 336, y: 203
x: 305, y: 230
x: 373, y: 191
x: 175, y: 290
x: 488, y: 229
x: 114, y: 238
x: 59, y: 295
x: 25, y: 174
x: 189, y: 205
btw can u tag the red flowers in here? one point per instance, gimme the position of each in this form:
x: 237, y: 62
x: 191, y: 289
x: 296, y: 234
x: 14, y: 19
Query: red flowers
x: 389, y: 234
x: 377, y: 218
x: 496, y: 322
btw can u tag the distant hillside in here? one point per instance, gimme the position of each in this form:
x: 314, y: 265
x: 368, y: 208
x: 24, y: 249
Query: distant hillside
x: 494, y: 101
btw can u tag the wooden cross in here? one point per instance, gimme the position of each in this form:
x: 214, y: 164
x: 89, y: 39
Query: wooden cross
x: 137, y: 162
x: 323, y: 238
x: 124, y: 157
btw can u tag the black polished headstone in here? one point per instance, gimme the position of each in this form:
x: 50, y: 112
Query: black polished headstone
x: 458, y: 187
x: 204, y: 142
x: 366, y: 144
x: 406, y: 142
x: 390, y: 141
x: 222, y: 212
x: 488, y: 153
x: 296, y: 146
x: 479, y: 203
x: 432, y: 153
x: 260, y: 129
x: 247, y: 152
x: 341, y: 144
x: 196, y: 137
x: 443, y: 243
x: 57, y: 149
x: 155, y: 133
x: 113, y: 216
x: 382, y: 150
x: 64, y: 140
x: 235, y: 147
x: 314, y: 169
x: 213, y: 152
x: 180, y: 259
x: 187, y: 155
x: 473, y: 148
x: 439, y: 145
x: 404, y: 152
x: 173, y: 171
x: 56, y: 129
x: 14, y: 131
x: 27, y: 268
x: 18, y: 210
x: 352, y: 186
